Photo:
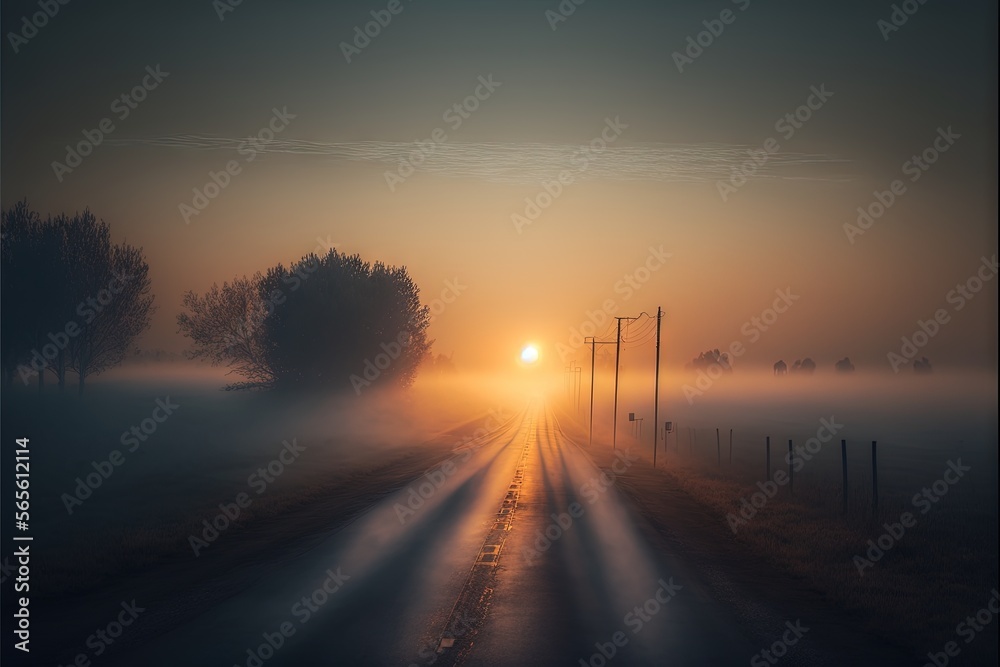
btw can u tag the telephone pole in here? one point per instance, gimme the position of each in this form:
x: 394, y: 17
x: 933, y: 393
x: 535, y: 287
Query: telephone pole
x: 656, y: 390
x: 568, y: 375
x: 577, y: 373
x: 618, y: 350
x: 618, y: 354
x: 593, y: 346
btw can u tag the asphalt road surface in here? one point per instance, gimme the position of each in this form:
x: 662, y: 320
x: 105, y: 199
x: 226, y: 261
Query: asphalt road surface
x: 518, y: 550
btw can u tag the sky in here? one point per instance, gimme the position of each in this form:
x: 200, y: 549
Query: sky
x: 586, y: 172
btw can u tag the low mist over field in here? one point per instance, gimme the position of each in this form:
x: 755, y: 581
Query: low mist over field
x: 556, y: 334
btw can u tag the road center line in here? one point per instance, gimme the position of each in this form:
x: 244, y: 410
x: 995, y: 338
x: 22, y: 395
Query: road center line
x: 470, y: 608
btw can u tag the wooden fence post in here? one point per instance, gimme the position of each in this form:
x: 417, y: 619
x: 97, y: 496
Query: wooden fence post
x: 843, y: 459
x: 790, y: 469
x: 874, y: 477
x: 768, y: 457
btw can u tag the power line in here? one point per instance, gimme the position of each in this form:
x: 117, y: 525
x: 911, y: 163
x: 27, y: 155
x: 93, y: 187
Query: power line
x: 643, y: 330
x: 641, y: 337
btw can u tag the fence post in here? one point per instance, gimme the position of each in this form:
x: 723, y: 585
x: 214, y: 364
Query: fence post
x: 768, y: 458
x: 790, y: 469
x: 874, y: 478
x: 843, y: 459
x: 718, y: 447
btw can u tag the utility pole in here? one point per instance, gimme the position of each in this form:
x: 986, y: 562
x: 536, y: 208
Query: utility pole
x: 618, y: 354
x: 568, y: 377
x: 656, y: 391
x: 593, y: 347
x: 573, y: 383
x: 577, y: 373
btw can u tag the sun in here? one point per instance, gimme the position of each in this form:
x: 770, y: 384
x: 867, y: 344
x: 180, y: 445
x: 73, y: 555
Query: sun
x: 529, y: 354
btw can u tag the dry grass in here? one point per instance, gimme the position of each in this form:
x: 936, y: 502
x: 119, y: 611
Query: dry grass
x: 276, y: 516
x: 940, y: 571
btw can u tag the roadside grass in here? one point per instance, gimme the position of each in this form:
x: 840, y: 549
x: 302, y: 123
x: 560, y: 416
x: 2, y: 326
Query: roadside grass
x: 939, y: 572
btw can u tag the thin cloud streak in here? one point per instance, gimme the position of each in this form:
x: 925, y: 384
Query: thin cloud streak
x: 532, y: 163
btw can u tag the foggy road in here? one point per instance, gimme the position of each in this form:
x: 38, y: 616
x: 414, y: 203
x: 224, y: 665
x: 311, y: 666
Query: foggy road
x: 515, y: 551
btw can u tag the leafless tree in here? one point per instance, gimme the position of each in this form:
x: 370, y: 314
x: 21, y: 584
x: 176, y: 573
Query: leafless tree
x: 226, y: 327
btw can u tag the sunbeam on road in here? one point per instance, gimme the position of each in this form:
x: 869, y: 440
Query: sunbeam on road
x: 516, y: 549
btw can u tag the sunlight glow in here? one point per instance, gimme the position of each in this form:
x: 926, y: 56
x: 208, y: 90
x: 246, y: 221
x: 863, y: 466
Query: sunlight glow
x: 529, y: 354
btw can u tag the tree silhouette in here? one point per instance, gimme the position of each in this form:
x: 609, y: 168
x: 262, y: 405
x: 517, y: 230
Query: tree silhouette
x: 844, y: 365
x: 711, y: 358
x: 439, y: 363
x: 73, y: 300
x: 226, y: 327
x: 118, y: 304
x: 28, y: 247
x: 319, y: 322
x: 805, y: 366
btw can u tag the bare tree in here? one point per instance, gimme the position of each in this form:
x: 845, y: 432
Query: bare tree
x: 116, y: 312
x: 226, y: 327
x: 35, y: 301
x: 72, y: 298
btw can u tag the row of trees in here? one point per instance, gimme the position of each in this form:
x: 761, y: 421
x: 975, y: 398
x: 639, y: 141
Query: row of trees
x: 710, y: 358
x: 76, y: 302
x: 334, y: 321
x: 73, y: 300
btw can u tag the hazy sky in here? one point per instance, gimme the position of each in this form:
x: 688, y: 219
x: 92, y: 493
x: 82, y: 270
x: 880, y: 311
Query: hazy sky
x: 880, y: 96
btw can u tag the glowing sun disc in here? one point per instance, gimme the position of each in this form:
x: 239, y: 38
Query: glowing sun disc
x: 529, y: 355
